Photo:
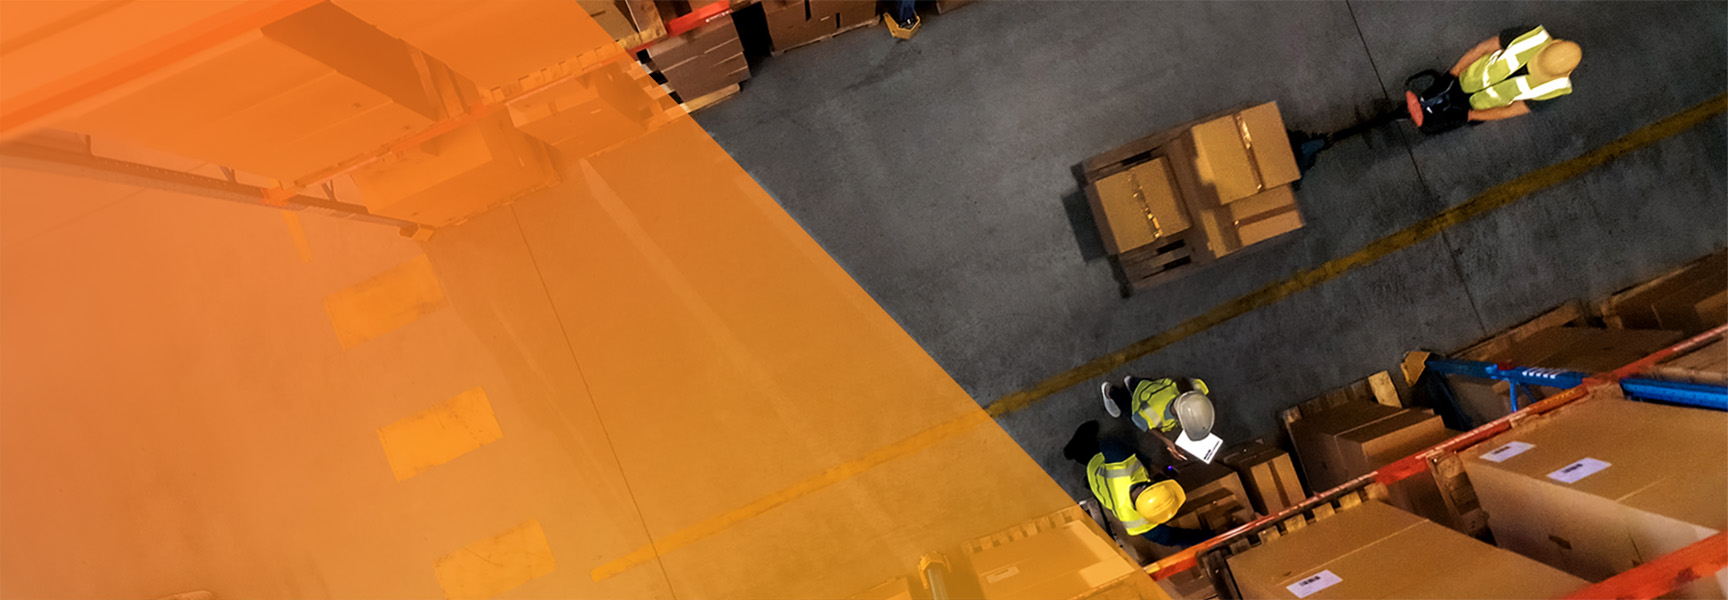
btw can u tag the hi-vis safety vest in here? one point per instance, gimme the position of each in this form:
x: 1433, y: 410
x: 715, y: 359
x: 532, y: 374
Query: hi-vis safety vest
x: 1151, y: 406
x: 1490, y: 83
x: 1111, y: 482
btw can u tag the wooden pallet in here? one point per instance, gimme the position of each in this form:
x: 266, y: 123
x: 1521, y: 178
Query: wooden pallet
x: 712, y: 98
x: 859, y: 25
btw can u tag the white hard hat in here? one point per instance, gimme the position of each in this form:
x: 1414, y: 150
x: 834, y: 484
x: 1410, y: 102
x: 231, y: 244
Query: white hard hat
x: 1194, y: 412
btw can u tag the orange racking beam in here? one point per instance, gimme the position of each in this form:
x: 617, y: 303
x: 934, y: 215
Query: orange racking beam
x: 127, y: 67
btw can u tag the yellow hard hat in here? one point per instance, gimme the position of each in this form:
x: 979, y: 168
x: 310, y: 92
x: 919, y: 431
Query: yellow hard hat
x: 1160, y: 502
x: 1557, y: 59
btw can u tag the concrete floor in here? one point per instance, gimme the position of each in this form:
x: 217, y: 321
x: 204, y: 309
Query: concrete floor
x: 938, y: 173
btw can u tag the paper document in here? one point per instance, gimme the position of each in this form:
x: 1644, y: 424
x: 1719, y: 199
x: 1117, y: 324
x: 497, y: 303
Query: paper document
x: 1203, y: 449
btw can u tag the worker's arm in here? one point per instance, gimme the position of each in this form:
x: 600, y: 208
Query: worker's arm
x: 1488, y: 46
x: 1516, y: 109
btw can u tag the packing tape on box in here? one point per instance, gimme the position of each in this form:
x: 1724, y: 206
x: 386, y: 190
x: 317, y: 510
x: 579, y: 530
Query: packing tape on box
x: 1248, y: 145
x: 1145, y: 207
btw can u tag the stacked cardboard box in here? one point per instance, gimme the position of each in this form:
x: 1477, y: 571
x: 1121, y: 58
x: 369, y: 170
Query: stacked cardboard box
x: 457, y: 175
x: 591, y: 112
x: 702, y: 61
x: 1216, y: 499
x: 1267, y: 476
x: 1372, y: 550
x: 1583, y: 349
x: 1210, y: 188
x: 1606, y: 484
x: 1354, y: 439
x: 311, y: 90
x: 1690, y: 300
x: 1057, y: 556
x: 793, y: 23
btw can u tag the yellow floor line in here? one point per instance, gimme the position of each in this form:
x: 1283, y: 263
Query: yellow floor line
x: 439, y: 434
x: 385, y: 303
x: 1494, y: 198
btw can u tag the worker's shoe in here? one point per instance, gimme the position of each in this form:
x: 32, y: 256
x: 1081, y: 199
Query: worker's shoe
x: 1109, y: 404
x: 900, y: 30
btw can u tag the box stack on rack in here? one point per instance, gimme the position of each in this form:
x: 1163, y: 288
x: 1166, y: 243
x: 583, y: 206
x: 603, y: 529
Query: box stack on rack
x: 1690, y: 300
x: 1192, y: 194
x: 1605, y: 484
x: 794, y: 23
x: 1267, y: 476
x: 1371, y: 550
x: 1353, y: 439
x: 702, y: 66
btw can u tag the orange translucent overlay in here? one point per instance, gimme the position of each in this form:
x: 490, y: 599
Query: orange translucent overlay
x: 617, y: 370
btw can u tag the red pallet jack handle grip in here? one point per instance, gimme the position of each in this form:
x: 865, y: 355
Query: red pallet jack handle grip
x: 1665, y: 574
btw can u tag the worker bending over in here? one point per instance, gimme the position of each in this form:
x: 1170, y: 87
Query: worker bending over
x: 1163, y: 407
x: 1135, y: 497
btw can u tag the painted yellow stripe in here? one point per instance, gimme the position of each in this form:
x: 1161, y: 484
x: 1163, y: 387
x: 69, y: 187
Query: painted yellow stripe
x: 385, y: 302
x: 1482, y: 204
x: 439, y: 434
x: 497, y: 564
x: 298, y: 233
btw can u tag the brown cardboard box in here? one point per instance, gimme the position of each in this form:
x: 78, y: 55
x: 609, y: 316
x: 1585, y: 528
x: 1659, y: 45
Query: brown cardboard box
x: 1313, y: 437
x: 457, y: 175
x: 1352, y: 440
x: 1063, y: 562
x: 1663, y: 486
x: 701, y: 61
x: 796, y: 22
x: 1249, y: 221
x: 1267, y: 476
x: 1241, y: 155
x: 1375, y: 551
x: 590, y: 113
x: 1138, y: 206
x: 1216, y: 499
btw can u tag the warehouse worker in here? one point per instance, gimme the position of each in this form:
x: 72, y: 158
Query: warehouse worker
x: 1508, y: 75
x: 1162, y: 406
x: 1129, y: 493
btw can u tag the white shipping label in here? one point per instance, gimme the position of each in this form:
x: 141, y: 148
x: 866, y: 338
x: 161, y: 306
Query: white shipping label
x: 1001, y: 574
x: 1203, y: 449
x: 1509, y: 450
x: 1571, y: 473
x: 1313, y: 583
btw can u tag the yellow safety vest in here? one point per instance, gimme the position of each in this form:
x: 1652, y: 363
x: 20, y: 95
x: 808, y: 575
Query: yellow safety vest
x: 1111, y: 483
x: 1490, y: 83
x: 1151, y: 406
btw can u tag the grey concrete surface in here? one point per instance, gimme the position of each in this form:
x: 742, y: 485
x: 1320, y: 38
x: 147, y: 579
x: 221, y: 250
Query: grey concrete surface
x: 938, y: 172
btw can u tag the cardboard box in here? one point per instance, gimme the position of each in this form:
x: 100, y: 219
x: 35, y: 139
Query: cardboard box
x: 589, y: 113
x: 1216, y: 499
x: 1138, y: 206
x: 1353, y: 440
x: 797, y: 22
x: 1267, y: 476
x: 1661, y: 483
x: 702, y: 61
x: 1249, y: 221
x: 1372, y: 550
x: 1240, y: 155
x: 457, y: 175
x: 1062, y: 562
